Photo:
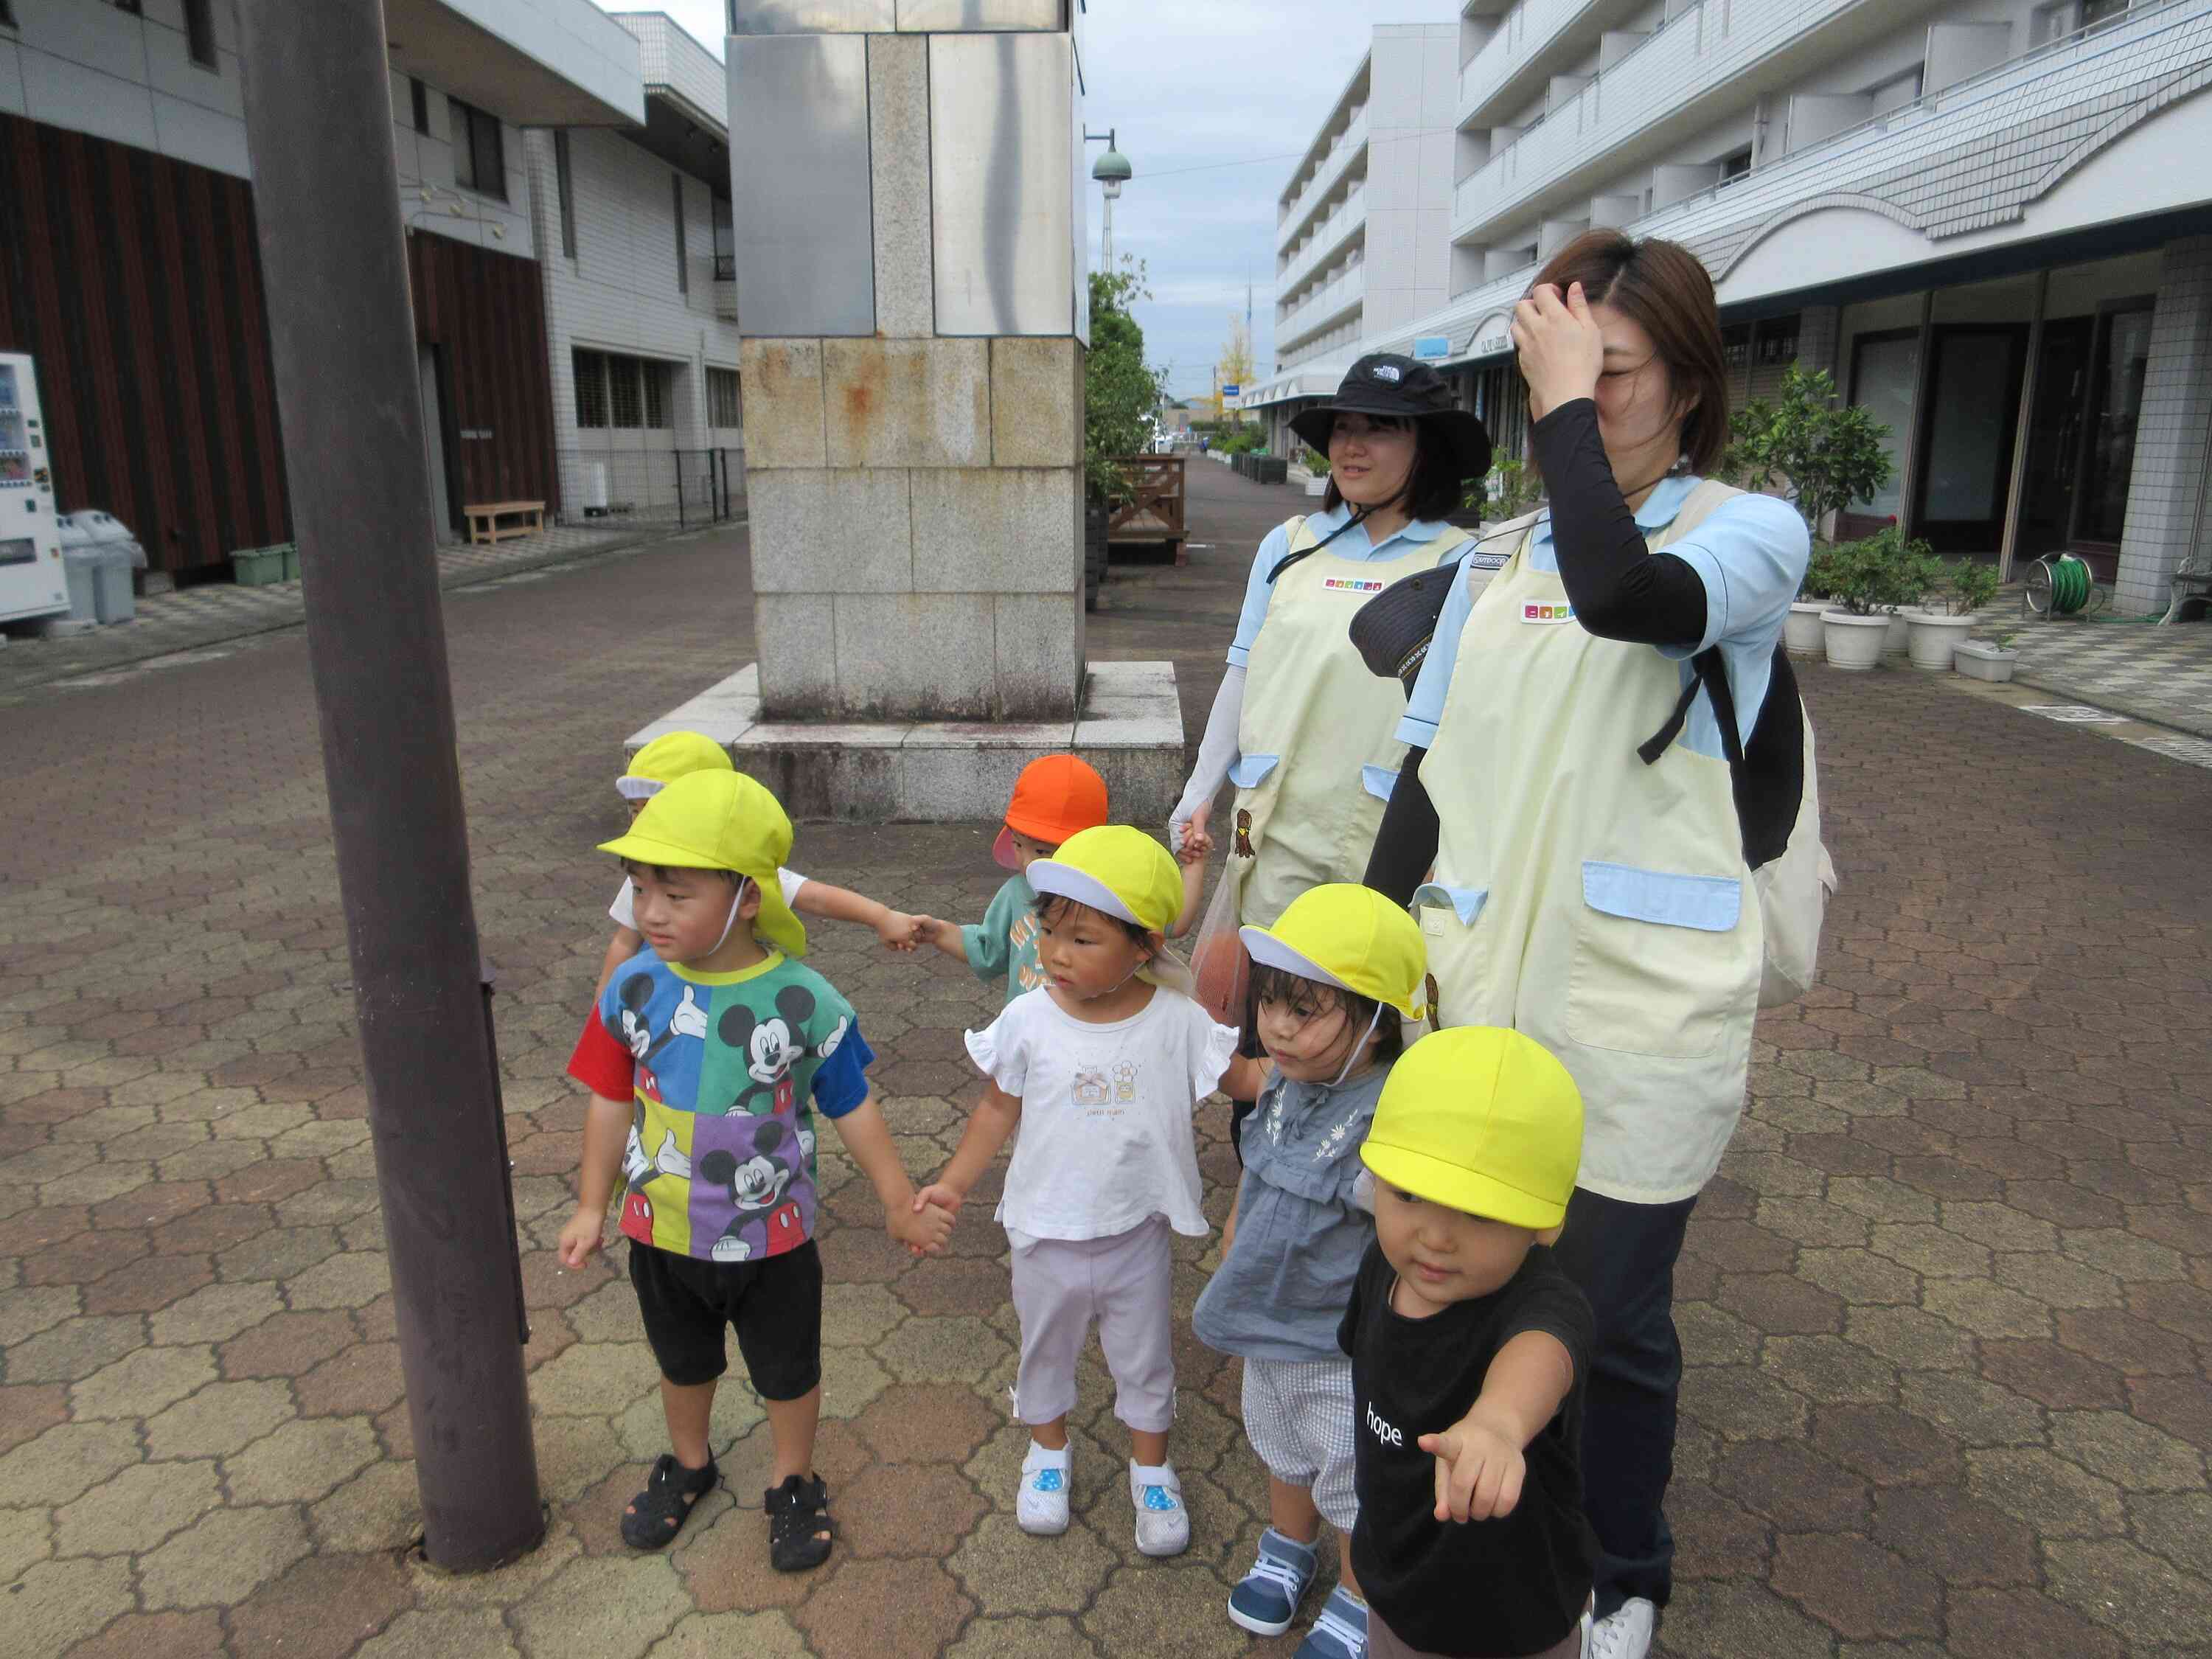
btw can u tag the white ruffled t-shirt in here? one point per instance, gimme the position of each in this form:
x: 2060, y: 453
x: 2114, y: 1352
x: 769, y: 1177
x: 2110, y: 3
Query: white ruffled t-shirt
x: 1106, y: 1141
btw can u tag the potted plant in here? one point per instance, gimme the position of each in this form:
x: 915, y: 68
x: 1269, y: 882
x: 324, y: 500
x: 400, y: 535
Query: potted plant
x: 1992, y: 659
x: 1120, y: 393
x: 1801, y: 631
x: 1864, y: 579
x: 1916, y: 574
x: 1938, y: 630
x: 1317, y: 473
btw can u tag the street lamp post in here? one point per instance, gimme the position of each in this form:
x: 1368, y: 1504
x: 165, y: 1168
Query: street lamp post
x: 1112, y: 171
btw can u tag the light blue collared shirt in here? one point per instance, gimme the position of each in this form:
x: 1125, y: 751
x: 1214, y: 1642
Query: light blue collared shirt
x: 1353, y: 544
x: 1750, y: 553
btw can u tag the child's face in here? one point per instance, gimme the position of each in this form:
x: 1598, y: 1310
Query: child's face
x: 1444, y: 1255
x: 636, y: 807
x: 682, y: 913
x: 1087, y: 952
x: 1309, y: 1036
x: 1028, y: 850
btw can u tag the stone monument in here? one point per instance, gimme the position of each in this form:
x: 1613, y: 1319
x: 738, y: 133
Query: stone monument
x: 908, y: 178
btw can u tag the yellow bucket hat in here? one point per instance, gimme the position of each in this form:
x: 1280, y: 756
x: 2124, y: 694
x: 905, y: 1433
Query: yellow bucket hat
x: 668, y: 758
x: 1482, y: 1120
x: 721, y: 821
x: 1124, y: 873
x: 1352, y: 937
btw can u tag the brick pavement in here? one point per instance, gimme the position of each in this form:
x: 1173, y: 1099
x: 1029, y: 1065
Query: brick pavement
x: 1947, y: 1311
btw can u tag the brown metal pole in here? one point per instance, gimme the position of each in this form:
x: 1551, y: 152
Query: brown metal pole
x: 333, y: 257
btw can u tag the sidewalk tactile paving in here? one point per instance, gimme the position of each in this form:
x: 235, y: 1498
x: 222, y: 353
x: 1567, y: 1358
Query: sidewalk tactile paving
x: 1946, y: 1310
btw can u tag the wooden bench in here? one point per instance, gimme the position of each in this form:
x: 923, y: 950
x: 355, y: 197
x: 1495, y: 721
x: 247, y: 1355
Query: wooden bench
x: 487, y: 521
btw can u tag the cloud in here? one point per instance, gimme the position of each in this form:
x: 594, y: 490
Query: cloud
x: 1188, y: 84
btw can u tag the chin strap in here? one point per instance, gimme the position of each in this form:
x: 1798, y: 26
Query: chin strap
x: 1358, y: 516
x: 736, y: 902
x: 1358, y: 1048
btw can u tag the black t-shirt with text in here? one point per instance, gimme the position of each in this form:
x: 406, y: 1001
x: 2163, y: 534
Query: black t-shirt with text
x: 1474, y: 1589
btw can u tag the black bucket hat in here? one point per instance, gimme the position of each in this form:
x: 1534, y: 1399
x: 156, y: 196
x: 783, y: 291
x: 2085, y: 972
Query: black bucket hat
x: 1384, y: 383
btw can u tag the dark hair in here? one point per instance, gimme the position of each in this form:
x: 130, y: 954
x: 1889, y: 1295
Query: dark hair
x: 1050, y: 906
x: 1432, y: 485
x: 633, y: 867
x: 1280, y: 985
x: 1663, y: 289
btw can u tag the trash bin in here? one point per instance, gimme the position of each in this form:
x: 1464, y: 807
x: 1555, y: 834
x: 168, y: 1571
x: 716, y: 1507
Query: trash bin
x: 81, y: 567
x: 119, y: 556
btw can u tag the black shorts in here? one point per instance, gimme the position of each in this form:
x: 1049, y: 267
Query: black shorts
x: 776, y: 1304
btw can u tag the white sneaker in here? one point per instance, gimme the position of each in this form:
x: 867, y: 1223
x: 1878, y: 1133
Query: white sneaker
x: 1624, y: 1633
x: 1042, y: 1506
x: 1163, y: 1523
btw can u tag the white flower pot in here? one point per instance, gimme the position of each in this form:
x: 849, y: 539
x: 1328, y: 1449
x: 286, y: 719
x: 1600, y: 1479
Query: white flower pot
x: 1802, y: 632
x: 1854, y: 643
x: 1977, y: 659
x: 1317, y: 486
x: 1899, y: 641
x: 1934, y: 638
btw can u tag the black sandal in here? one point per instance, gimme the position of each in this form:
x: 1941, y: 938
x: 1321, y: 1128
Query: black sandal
x: 671, y: 1492
x: 799, y: 1530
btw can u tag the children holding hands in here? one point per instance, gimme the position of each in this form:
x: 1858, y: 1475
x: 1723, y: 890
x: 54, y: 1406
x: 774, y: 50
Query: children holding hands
x: 1101, y: 1066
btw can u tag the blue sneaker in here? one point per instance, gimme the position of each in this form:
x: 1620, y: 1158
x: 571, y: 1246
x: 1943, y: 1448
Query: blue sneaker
x: 1266, y: 1600
x: 1340, y: 1632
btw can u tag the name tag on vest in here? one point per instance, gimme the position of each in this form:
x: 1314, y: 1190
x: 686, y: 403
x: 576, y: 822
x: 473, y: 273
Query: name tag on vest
x: 1361, y: 584
x: 1546, y: 614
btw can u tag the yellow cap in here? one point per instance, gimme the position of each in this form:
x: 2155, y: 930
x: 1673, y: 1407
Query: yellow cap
x: 720, y: 820
x: 1349, y: 937
x: 1125, y: 873
x: 1482, y: 1120
x: 668, y: 758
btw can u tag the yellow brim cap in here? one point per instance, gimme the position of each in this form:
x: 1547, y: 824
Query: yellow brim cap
x: 775, y: 921
x: 1269, y: 952
x: 1065, y: 881
x: 1458, y: 1189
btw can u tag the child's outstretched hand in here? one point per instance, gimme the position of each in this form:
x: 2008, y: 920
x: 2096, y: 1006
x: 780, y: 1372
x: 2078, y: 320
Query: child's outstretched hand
x: 1479, y: 1470
x: 581, y: 1237
x: 901, y: 932
x: 922, y: 1228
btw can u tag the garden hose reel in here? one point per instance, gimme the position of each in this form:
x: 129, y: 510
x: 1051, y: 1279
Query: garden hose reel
x: 2059, y: 585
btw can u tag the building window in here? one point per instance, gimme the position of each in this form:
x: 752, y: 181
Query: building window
x: 565, y: 189
x: 1777, y: 343
x: 683, y: 263
x: 1735, y: 348
x: 418, y: 97
x: 723, y: 408
x: 590, y: 389
x: 625, y: 403
x: 479, y: 150
x: 199, y: 31
x: 1734, y: 167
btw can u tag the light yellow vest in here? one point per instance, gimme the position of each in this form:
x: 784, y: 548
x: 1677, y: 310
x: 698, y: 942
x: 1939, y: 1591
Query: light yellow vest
x: 1599, y: 905
x: 1318, y: 738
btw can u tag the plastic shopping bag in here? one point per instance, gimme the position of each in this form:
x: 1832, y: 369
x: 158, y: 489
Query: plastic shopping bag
x: 1223, y: 969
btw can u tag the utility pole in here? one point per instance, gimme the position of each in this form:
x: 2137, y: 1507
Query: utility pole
x: 327, y: 201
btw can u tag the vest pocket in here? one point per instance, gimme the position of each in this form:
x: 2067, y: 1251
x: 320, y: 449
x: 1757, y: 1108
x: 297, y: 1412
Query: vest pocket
x: 1250, y: 769
x: 1378, y: 780
x: 1656, y: 968
x: 1458, y: 951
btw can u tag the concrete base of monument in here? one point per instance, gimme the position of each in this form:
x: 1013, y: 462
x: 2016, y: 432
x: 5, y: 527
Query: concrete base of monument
x: 1129, y: 726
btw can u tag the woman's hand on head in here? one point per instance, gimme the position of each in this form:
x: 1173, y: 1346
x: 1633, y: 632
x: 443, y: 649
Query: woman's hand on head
x: 1562, y: 350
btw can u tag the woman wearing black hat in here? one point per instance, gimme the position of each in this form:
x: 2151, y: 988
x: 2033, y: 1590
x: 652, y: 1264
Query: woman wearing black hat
x: 1301, y: 726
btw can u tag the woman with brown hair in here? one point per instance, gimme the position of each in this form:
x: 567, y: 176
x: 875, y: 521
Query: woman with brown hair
x: 1578, y: 872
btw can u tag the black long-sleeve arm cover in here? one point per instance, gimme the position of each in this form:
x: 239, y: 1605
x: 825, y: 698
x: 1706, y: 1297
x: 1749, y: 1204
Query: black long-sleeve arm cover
x: 1406, y: 845
x: 1619, y: 590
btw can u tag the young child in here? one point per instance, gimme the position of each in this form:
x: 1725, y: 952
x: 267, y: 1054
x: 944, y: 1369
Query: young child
x: 1102, y: 1069
x: 1468, y: 1350
x: 1330, y: 980
x: 1055, y: 797
x: 669, y: 757
x: 706, y: 1059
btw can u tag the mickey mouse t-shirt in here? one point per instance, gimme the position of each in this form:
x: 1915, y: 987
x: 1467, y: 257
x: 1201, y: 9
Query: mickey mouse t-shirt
x: 725, y: 1071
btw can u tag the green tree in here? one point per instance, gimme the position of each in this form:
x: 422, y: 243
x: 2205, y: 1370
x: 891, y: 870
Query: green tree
x: 1119, y: 390
x: 1827, y: 455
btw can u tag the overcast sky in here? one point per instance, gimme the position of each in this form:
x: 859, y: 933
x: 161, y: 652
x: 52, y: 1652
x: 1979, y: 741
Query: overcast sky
x: 1189, y: 85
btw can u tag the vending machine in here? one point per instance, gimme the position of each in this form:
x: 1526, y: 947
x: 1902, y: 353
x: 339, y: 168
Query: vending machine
x: 31, y: 580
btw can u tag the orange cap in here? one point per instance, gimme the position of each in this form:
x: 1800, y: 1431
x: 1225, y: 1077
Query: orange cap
x: 1055, y: 797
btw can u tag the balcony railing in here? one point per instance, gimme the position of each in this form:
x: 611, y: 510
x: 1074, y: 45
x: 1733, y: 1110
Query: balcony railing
x: 1323, y: 306
x: 1526, y: 30
x: 1327, y: 240
x: 1352, y: 141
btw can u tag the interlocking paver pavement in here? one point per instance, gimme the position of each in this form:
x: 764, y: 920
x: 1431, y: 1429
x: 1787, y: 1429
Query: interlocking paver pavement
x: 1947, y: 1310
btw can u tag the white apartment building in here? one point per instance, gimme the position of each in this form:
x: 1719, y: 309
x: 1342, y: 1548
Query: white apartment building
x: 634, y: 236
x: 1363, y: 240
x: 1990, y: 220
